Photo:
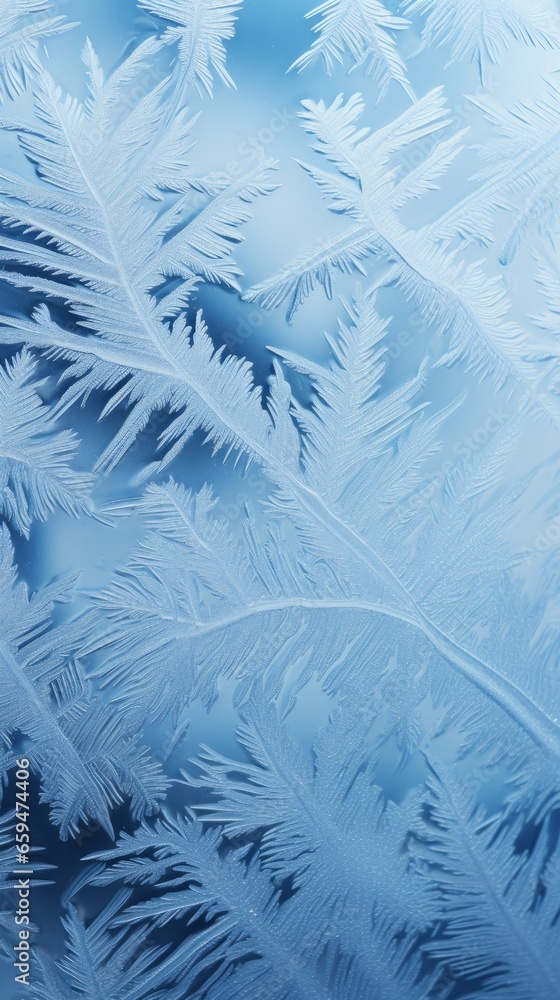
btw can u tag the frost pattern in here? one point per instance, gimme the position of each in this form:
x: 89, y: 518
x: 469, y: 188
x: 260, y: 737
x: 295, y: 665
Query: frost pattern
x: 36, y: 475
x: 364, y: 29
x: 154, y: 607
x: 452, y: 295
x: 521, y: 175
x: 20, y: 34
x: 200, y: 28
x: 117, y: 259
x: 405, y: 841
x: 483, y: 29
x: 86, y: 762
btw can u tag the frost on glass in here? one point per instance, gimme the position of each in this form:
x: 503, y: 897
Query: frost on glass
x: 279, y: 551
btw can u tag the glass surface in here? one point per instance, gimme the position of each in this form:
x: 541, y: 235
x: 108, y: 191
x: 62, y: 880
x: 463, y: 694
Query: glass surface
x: 279, y: 463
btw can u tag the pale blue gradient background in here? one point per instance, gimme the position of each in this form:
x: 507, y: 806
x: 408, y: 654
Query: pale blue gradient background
x: 269, y: 37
